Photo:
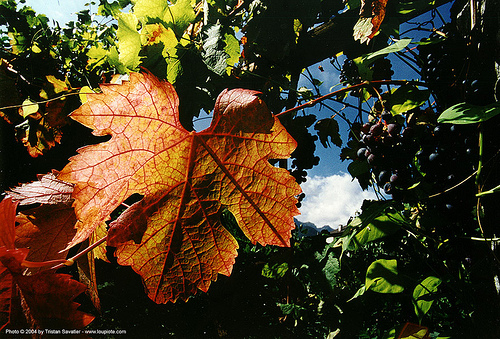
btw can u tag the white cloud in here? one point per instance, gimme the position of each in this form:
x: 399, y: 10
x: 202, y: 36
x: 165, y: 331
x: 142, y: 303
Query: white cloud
x: 331, y: 200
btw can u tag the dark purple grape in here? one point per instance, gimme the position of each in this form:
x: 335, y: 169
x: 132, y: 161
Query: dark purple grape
x: 361, y: 153
x: 394, y: 178
x: 393, y: 129
x: 376, y: 129
x: 387, y: 116
x: 408, y: 133
x: 372, y: 158
x: 366, y: 128
x: 388, y: 188
x: 383, y: 176
x: 367, y: 139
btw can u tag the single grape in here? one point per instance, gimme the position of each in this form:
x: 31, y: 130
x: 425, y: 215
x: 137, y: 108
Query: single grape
x: 394, y: 178
x: 361, y: 153
x: 387, y: 116
x: 383, y: 176
x: 366, y: 128
x: 393, y: 129
x: 434, y: 157
x: 376, y: 130
x: 372, y: 158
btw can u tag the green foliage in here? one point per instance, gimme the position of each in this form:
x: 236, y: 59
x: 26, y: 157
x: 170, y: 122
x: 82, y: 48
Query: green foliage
x: 423, y: 295
x: 382, y: 277
x: 377, y: 221
x: 406, y: 98
x: 464, y: 113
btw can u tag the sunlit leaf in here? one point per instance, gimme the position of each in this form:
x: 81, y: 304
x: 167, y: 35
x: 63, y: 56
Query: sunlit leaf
x: 46, y: 190
x: 465, y: 113
x: 406, y: 98
x: 382, y: 277
x: 29, y: 107
x: 372, y: 15
x: 422, y: 295
x: 129, y: 41
x: 48, y: 296
x: 173, y: 236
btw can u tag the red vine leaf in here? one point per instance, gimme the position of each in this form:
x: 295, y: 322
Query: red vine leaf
x: 173, y: 237
x: 7, y: 222
x: 48, y: 296
x: 371, y: 15
x: 46, y: 231
x: 47, y: 190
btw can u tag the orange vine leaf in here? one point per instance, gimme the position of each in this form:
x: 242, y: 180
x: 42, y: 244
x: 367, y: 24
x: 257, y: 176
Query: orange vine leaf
x: 46, y: 230
x: 371, y: 16
x: 47, y: 296
x: 173, y: 236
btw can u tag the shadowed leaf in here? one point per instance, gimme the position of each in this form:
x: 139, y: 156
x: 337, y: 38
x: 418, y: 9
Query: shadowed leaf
x: 46, y: 231
x: 48, y: 296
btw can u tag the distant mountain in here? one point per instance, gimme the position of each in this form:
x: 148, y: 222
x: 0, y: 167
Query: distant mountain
x: 308, y: 229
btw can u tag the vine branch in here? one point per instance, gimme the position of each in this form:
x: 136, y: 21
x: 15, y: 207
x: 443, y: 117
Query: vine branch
x: 313, y: 102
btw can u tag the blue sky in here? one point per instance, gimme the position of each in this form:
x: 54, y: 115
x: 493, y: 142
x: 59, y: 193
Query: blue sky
x: 59, y: 10
x: 331, y: 195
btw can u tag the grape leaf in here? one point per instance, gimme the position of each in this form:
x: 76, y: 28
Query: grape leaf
x: 232, y: 49
x: 129, y: 41
x: 48, y: 296
x: 7, y: 222
x: 47, y: 190
x: 214, y: 55
x: 464, y: 113
x: 177, y: 16
x: 422, y: 295
x: 382, y: 277
x: 46, y: 231
x: 173, y: 237
x: 328, y: 129
x: 371, y: 15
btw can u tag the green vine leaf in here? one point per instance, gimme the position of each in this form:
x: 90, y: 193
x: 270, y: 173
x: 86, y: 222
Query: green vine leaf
x: 129, y: 41
x: 464, y: 113
x: 422, y: 295
x: 406, y: 98
x: 382, y: 277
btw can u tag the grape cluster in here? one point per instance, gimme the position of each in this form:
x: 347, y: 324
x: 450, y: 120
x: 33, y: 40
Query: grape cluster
x: 388, y: 148
x: 349, y: 75
x: 439, y: 157
x: 448, y: 156
x: 449, y: 72
x: 303, y: 156
x: 381, y: 70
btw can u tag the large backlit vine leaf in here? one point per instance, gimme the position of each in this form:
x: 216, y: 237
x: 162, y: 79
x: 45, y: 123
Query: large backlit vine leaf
x: 173, y: 236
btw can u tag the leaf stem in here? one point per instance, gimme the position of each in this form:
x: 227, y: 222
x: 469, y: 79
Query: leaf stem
x: 39, y: 264
x: 480, y: 162
x: 39, y: 102
x: 56, y: 264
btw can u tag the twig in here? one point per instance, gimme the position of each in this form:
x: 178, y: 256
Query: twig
x: 347, y: 89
